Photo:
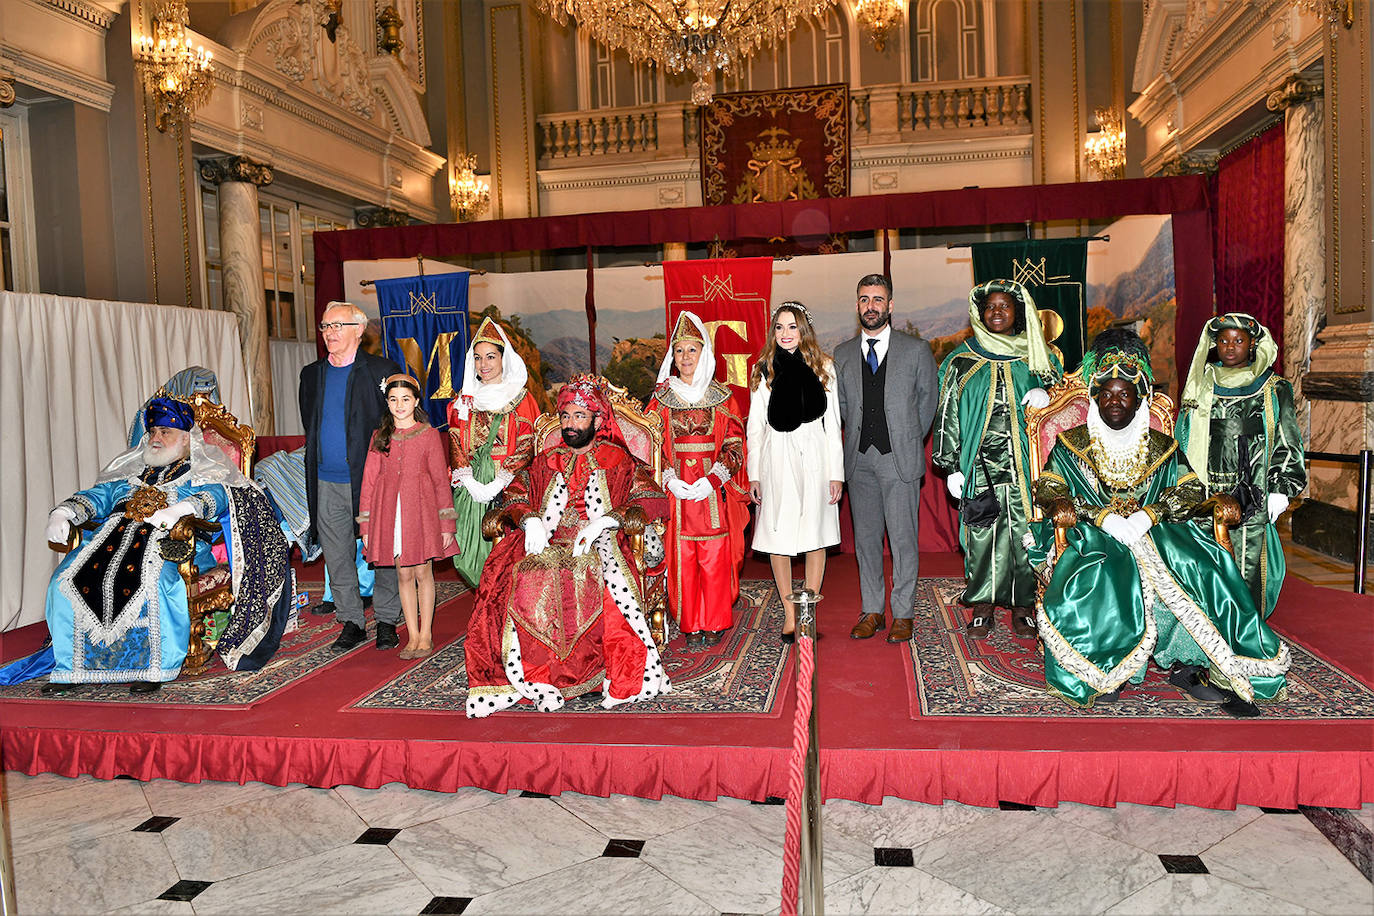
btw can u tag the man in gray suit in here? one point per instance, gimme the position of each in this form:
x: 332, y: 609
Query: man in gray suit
x: 888, y: 392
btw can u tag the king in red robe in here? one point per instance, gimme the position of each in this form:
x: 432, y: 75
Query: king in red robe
x: 560, y: 606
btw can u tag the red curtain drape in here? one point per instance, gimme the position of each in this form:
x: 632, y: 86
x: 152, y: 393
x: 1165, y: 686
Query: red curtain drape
x: 1247, y: 232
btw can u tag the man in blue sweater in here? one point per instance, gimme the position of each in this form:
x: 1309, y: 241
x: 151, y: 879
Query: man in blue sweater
x: 341, y: 405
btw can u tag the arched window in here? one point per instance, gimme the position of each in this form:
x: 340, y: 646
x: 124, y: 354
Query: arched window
x: 948, y: 40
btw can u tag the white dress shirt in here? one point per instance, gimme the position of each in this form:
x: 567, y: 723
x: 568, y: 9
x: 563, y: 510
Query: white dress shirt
x: 882, y: 337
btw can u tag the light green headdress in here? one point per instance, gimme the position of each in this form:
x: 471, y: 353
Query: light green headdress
x: 1118, y: 353
x: 1205, y: 377
x: 1029, y: 345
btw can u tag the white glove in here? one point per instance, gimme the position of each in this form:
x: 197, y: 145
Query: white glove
x: 955, y: 483
x: 583, y: 542
x: 1277, y: 504
x: 1120, y: 529
x: 1140, y: 520
x: 60, y: 525
x: 457, y: 475
x: 700, y: 490
x: 166, y: 518
x: 486, y: 492
x: 1037, y: 398
x: 678, y: 487
x: 536, y: 536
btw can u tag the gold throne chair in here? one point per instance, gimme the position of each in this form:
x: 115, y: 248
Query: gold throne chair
x: 644, y: 438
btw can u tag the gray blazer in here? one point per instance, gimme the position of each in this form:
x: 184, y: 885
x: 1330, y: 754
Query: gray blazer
x: 912, y: 390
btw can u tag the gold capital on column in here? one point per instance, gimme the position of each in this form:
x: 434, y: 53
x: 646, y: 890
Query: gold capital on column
x: 236, y: 168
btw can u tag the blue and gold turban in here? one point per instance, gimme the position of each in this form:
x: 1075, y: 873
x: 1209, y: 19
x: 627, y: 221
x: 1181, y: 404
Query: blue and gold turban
x: 168, y: 412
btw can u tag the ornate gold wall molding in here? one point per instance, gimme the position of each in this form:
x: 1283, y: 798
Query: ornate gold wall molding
x: 1294, y: 90
x: 236, y: 168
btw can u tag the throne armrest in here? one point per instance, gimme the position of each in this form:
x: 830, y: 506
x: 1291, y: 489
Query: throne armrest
x: 496, y: 519
x: 1225, y: 512
x: 1064, y: 517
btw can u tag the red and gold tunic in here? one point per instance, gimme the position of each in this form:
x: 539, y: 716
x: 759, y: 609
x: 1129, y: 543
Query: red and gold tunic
x: 513, y: 427
x: 705, y: 539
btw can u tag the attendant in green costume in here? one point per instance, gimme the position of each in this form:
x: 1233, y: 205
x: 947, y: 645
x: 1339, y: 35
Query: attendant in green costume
x: 980, y: 441
x: 491, y: 438
x: 1240, y: 432
x: 1139, y: 578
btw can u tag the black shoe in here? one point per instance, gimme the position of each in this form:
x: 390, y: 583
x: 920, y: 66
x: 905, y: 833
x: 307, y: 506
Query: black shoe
x: 352, y: 637
x: 1192, y: 679
x: 53, y: 689
x: 711, y: 637
x: 696, y: 641
x: 323, y: 609
x: 145, y: 686
x: 787, y: 638
x: 1111, y: 697
x: 1238, y: 708
x: 386, y: 636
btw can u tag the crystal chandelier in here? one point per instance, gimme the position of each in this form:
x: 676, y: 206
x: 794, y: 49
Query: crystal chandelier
x: 176, y: 74
x: 702, y: 36
x: 468, y: 194
x: 878, y: 17
x: 1106, y: 150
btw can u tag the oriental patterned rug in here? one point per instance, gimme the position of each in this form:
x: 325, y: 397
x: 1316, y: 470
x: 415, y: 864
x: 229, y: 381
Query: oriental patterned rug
x: 303, y: 653
x: 743, y: 675
x: 953, y: 675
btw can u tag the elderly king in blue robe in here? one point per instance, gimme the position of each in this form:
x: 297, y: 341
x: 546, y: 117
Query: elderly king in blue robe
x: 116, y: 608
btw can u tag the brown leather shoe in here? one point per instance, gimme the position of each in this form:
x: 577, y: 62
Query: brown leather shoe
x: 901, y: 630
x: 981, y: 621
x: 1023, y: 622
x: 868, y: 625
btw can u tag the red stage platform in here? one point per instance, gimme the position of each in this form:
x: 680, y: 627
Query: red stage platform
x: 872, y: 744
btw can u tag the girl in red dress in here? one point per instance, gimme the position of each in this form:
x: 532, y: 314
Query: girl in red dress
x: 406, y: 512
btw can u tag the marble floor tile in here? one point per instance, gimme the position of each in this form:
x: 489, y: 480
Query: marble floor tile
x: 81, y: 810
x: 349, y: 879
x: 156, y: 908
x: 627, y: 817
x: 733, y: 861
x: 19, y: 785
x: 495, y: 846
x: 597, y: 886
x: 1285, y: 856
x: 398, y: 805
x: 898, y: 822
x: 183, y: 799
x: 1168, y: 831
x: 880, y: 891
x: 1204, y: 895
x: 219, y: 844
x: 93, y: 875
x: 1032, y: 862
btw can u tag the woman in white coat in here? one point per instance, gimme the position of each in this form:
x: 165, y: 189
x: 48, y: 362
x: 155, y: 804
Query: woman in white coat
x: 794, y: 458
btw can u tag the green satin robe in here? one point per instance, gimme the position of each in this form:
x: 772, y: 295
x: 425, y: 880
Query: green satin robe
x: 980, y: 406
x: 1263, y: 412
x: 1175, y: 595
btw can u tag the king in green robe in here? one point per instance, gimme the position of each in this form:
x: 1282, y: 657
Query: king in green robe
x: 1139, y: 577
x: 980, y: 441
x: 1248, y: 445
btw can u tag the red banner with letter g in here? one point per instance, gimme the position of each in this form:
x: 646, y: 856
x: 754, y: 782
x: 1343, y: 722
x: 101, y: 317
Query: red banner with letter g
x: 731, y: 297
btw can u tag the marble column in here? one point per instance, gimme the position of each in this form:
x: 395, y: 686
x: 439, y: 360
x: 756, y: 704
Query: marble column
x: 1304, y: 237
x: 674, y: 251
x: 240, y: 241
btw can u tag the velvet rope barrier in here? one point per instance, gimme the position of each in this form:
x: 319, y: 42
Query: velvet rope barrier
x: 803, y: 787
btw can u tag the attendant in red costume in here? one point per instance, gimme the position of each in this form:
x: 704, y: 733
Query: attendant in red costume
x: 491, y: 438
x: 560, y: 608
x: 703, y: 460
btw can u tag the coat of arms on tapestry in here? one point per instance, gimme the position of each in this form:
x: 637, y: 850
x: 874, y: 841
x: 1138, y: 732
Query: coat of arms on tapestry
x: 767, y: 147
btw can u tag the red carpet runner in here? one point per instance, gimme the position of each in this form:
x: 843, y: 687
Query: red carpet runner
x: 871, y: 745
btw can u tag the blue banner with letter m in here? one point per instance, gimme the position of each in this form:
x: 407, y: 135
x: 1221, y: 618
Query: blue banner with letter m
x: 425, y: 329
